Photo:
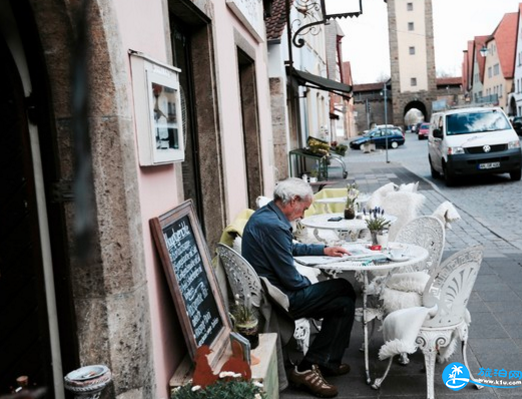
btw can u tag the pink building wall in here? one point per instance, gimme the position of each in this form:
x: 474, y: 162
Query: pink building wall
x: 142, y: 27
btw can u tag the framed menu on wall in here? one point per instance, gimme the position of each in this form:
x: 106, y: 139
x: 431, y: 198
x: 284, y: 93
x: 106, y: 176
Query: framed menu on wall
x: 158, y: 111
x: 186, y: 261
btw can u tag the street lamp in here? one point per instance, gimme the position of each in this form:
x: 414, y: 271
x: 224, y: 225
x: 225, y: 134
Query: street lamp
x: 483, y: 51
x: 329, y: 9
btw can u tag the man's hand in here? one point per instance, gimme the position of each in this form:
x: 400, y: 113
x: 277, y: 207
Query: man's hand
x: 336, y: 251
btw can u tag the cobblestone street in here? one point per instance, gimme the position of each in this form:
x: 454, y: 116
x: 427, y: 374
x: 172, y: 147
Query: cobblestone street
x: 495, y: 336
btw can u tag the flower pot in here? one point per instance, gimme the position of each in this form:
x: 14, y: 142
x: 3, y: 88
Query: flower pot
x: 374, y: 234
x: 349, y: 213
x: 251, y: 332
x: 382, y: 238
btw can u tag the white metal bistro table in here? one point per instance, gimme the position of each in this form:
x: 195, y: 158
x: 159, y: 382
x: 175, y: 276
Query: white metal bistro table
x: 412, y: 254
x: 345, y: 228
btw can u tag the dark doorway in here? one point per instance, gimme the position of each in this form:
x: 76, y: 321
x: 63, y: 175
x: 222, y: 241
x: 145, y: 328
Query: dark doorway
x: 24, y: 336
x: 250, y: 117
x: 181, y: 42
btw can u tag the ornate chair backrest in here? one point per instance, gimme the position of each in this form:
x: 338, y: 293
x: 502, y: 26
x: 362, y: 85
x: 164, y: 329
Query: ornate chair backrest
x: 427, y: 232
x: 241, y: 276
x: 450, y: 287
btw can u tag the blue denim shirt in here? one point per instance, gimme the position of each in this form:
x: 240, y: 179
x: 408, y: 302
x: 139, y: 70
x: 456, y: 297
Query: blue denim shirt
x: 268, y: 246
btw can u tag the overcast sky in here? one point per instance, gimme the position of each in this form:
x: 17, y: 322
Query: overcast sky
x: 365, y: 43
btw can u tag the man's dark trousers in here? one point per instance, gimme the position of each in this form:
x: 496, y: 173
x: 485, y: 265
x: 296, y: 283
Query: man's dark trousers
x: 333, y: 301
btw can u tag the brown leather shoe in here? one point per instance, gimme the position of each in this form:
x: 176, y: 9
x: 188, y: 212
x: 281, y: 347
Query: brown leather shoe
x: 330, y: 372
x: 313, y: 381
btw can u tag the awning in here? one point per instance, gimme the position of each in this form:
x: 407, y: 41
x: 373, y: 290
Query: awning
x: 318, y: 82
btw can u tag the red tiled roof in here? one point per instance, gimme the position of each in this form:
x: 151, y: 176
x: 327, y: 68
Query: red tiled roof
x: 449, y: 81
x: 506, y: 41
x: 276, y: 22
x: 368, y: 87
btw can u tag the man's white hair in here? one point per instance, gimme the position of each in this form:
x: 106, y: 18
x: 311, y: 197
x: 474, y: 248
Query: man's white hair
x: 287, y: 190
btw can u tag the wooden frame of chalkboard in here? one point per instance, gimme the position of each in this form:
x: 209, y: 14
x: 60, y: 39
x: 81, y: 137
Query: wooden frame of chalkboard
x: 186, y: 261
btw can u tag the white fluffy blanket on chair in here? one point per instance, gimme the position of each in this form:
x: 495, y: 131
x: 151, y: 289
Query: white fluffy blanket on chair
x: 400, y: 329
x: 400, y: 201
x: 447, y: 213
x: 404, y: 205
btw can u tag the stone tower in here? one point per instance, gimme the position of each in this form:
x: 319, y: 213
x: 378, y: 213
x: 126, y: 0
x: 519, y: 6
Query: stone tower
x: 412, y: 57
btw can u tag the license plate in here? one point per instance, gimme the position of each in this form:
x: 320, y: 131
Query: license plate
x: 489, y: 165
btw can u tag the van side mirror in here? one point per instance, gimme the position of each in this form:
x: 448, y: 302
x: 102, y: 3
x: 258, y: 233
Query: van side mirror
x: 437, y: 133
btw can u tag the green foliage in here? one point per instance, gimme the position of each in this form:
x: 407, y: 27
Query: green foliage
x: 223, y: 389
x: 340, y: 149
x: 377, y: 224
x: 375, y: 220
x: 352, y: 192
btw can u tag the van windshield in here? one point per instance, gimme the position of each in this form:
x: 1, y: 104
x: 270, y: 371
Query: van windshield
x: 476, y: 122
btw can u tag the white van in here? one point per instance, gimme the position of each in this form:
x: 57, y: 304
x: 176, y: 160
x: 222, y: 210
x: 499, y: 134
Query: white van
x: 472, y: 141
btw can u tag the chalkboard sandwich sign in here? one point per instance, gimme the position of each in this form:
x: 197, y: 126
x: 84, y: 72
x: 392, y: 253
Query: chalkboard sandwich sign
x: 186, y: 261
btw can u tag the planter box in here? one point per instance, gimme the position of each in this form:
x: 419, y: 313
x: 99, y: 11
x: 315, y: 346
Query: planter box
x: 265, y: 371
x: 368, y: 147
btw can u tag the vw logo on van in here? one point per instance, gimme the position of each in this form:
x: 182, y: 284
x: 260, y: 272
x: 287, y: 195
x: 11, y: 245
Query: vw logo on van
x: 486, y: 148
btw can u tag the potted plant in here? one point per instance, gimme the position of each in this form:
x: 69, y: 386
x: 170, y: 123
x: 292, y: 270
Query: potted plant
x: 314, y: 174
x: 352, y: 192
x: 340, y: 149
x: 245, y: 321
x: 376, y: 222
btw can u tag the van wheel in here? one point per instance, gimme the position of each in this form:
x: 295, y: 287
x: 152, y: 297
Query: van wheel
x: 515, y: 175
x: 434, y: 173
x: 448, y: 176
x: 394, y: 145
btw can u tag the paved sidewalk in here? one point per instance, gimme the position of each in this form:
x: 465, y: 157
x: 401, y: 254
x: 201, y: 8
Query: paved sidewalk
x: 495, y: 335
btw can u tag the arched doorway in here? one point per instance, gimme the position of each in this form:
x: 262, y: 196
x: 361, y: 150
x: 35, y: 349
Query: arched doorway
x: 414, y: 113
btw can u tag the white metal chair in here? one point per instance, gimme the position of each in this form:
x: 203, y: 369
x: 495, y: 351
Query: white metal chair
x: 402, y: 289
x: 244, y: 281
x: 441, y: 322
x: 405, y: 287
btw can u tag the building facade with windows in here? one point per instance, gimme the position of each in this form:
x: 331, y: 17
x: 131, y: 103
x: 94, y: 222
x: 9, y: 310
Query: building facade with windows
x: 499, y: 66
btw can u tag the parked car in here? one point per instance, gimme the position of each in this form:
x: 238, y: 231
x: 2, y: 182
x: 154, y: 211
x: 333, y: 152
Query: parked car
x: 424, y: 131
x: 516, y: 122
x: 378, y: 137
x: 473, y: 141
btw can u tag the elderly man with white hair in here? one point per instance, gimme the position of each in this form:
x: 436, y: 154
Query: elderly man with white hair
x: 269, y: 247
